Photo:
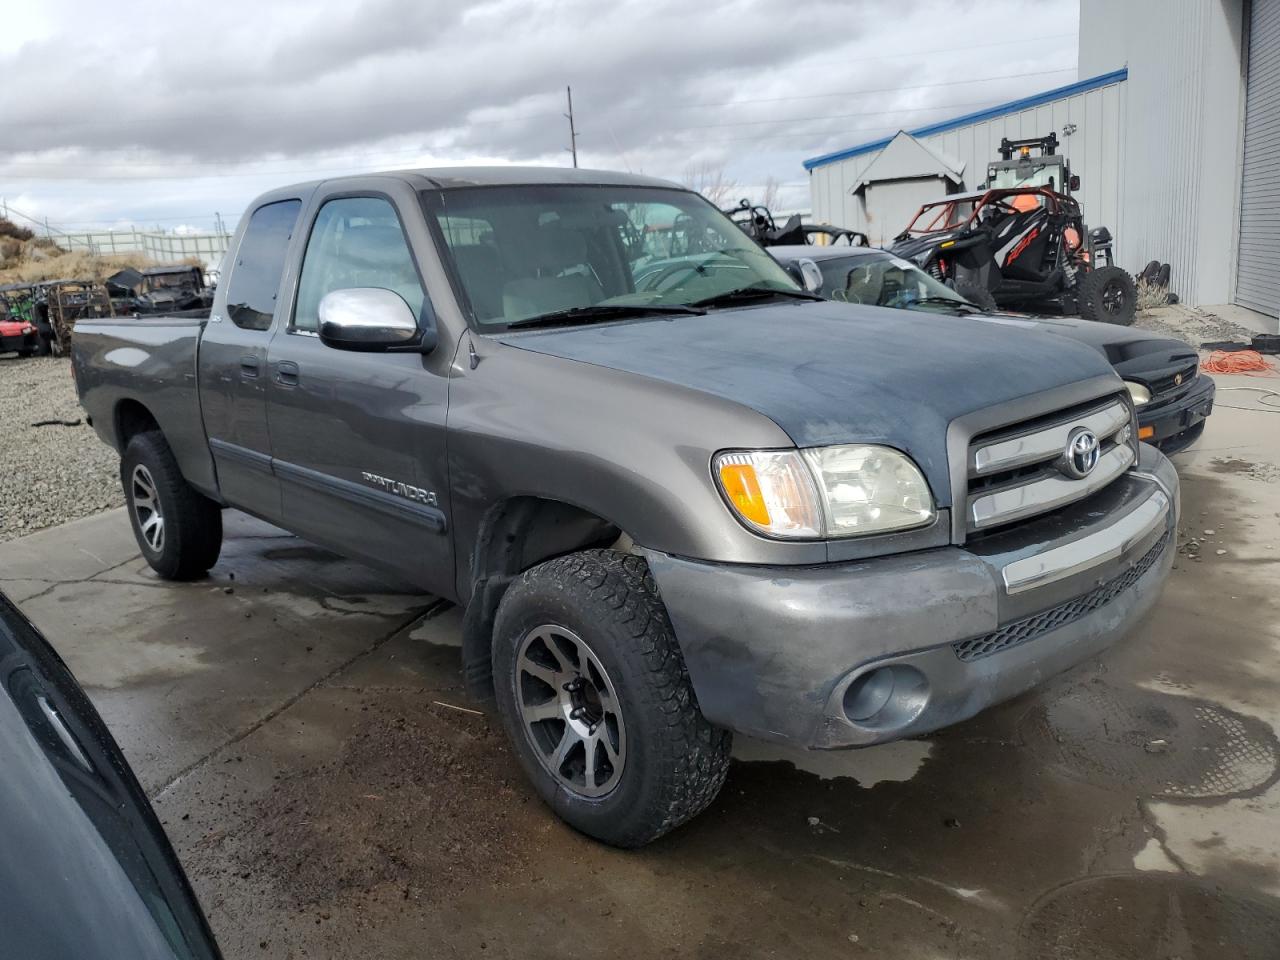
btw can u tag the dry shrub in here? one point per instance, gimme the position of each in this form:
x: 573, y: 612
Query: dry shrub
x: 10, y: 229
x: 39, y: 263
x: 10, y: 250
x: 1151, y: 295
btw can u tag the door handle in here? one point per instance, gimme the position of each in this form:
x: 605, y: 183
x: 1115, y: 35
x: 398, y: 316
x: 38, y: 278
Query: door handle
x: 287, y: 373
x: 249, y: 367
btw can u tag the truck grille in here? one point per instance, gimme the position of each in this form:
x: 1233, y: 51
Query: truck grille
x: 1174, y: 382
x: 1025, y: 470
x: 1020, y: 631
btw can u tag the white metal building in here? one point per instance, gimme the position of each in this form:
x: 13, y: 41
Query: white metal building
x: 1175, y: 134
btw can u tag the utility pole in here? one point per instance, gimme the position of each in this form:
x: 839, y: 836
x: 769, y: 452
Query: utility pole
x: 573, y: 133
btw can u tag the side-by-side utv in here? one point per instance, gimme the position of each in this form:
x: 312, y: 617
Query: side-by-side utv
x: 1021, y: 241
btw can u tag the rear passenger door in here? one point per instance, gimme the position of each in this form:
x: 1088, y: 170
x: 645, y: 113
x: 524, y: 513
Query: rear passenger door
x: 232, y: 365
x: 359, y: 438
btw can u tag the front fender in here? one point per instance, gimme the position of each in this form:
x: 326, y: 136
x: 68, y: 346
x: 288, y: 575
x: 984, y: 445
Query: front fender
x: 630, y: 450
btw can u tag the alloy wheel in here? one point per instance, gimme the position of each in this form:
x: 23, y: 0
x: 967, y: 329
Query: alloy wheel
x: 1113, y: 297
x: 569, y: 710
x: 146, y: 507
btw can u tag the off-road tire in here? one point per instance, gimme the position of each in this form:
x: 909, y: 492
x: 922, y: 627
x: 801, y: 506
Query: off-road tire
x: 1107, y: 295
x: 676, y: 762
x: 192, y: 522
x: 979, y: 296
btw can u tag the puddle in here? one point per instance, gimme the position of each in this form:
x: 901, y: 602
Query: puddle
x: 889, y: 763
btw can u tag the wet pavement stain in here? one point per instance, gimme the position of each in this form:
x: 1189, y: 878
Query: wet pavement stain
x: 1126, y: 917
x: 1158, y: 744
x: 422, y: 803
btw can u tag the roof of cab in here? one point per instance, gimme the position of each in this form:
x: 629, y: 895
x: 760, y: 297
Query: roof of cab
x: 452, y: 178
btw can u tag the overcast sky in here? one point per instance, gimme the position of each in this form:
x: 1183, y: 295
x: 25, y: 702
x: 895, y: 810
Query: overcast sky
x: 165, y: 112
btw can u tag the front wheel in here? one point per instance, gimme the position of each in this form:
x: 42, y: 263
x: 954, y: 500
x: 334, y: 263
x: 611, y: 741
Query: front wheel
x: 594, y: 694
x: 1108, y: 295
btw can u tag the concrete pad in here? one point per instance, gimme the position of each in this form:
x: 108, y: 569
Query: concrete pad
x: 179, y: 669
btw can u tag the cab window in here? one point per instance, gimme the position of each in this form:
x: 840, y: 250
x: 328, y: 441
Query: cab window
x: 255, y: 276
x: 355, y: 242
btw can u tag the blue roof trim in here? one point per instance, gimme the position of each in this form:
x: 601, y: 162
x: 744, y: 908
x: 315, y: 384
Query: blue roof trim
x: 1080, y: 86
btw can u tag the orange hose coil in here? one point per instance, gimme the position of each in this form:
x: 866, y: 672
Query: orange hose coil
x: 1239, y: 361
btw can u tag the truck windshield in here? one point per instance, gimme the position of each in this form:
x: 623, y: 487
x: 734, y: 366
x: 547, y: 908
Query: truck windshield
x: 528, y: 251
x: 883, y: 280
x: 1026, y: 175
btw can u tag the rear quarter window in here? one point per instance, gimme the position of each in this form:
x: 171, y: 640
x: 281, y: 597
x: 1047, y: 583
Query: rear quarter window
x: 255, y: 276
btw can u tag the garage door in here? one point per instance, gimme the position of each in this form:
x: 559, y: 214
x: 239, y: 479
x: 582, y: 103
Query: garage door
x: 1258, y: 272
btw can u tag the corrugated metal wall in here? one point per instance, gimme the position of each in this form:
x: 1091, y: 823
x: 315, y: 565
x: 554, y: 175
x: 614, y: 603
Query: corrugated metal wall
x: 1179, y: 187
x: 1095, y: 150
x: 1258, y: 265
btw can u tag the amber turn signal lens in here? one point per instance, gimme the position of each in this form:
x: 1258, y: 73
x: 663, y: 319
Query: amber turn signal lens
x: 1146, y: 433
x: 743, y: 489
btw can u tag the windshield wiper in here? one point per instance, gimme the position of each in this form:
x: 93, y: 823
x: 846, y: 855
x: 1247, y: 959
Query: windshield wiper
x: 950, y: 302
x: 602, y: 311
x: 748, y: 294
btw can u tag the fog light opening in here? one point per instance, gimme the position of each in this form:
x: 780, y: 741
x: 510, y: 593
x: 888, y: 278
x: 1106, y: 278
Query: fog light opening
x: 886, y: 697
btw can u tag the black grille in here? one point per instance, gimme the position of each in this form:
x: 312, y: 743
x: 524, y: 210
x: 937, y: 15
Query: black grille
x: 1174, y: 381
x: 1033, y: 626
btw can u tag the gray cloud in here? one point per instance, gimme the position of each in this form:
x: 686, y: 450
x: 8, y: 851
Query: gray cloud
x: 250, y: 91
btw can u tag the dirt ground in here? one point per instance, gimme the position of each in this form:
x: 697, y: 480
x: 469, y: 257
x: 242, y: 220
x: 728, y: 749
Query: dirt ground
x: 300, y: 724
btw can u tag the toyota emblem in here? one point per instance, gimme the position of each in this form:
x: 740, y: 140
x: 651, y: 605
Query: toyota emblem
x: 1081, y: 453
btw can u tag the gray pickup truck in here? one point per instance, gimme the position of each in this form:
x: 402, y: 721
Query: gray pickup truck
x: 677, y: 495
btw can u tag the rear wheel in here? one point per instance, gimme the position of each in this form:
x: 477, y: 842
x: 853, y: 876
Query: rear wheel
x: 596, y: 699
x: 178, y: 529
x: 1108, y: 295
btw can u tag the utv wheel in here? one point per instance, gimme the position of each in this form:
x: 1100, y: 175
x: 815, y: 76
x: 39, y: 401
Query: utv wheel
x: 1108, y: 295
x: 979, y: 296
x: 178, y: 529
x: 595, y: 697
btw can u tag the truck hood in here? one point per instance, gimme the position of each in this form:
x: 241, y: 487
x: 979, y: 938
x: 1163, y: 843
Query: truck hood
x: 832, y: 372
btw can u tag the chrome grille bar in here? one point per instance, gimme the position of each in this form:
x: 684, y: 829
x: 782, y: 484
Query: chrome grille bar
x: 1046, y: 493
x: 1044, y: 444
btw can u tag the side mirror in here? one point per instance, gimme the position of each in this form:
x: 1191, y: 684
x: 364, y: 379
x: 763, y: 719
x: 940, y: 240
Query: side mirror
x: 1074, y: 182
x: 810, y: 276
x: 370, y: 319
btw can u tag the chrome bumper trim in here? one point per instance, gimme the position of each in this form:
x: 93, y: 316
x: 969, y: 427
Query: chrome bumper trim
x: 1072, y: 558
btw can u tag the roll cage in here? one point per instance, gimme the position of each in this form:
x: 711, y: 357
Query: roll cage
x: 962, y: 211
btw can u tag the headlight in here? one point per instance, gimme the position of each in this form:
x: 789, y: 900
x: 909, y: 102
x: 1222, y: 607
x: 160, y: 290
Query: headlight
x: 1138, y: 392
x: 841, y: 491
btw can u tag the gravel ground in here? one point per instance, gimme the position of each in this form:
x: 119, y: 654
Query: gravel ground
x: 1191, y: 325
x: 54, y: 473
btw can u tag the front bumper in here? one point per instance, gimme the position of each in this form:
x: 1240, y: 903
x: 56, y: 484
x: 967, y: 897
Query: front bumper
x: 1174, y: 424
x: 851, y: 654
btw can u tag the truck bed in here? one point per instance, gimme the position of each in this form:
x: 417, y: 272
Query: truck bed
x: 130, y: 366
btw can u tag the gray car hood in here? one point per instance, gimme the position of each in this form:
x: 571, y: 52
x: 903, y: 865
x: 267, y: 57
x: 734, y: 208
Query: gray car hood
x: 837, y: 373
